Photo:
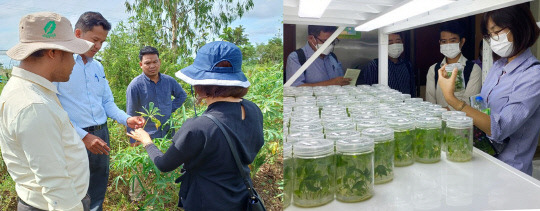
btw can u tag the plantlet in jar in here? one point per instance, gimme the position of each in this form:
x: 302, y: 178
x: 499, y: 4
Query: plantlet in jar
x: 427, y: 145
x: 384, y: 161
x: 354, y: 178
x: 458, y: 143
x: 314, y: 181
x: 403, y: 154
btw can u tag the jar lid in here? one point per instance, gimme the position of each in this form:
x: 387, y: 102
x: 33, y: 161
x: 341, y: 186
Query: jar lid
x: 355, y: 144
x: 447, y: 114
x: 428, y: 122
x: 459, y: 122
x: 335, y: 126
x: 287, y: 150
x: 387, y: 117
x: 410, y: 111
x: 439, y: 111
x: 450, y: 67
x: 342, y: 134
x: 314, y: 147
x: 326, y: 97
x: 400, y: 124
x: 405, y: 96
x: 363, y: 124
x: 334, y: 106
x: 300, y: 136
x: 306, y: 128
x: 312, y: 108
x: 328, y: 119
x: 379, y: 134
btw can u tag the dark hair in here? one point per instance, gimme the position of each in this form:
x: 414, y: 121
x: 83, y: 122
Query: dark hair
x: 519, y: 20
x: 38, y: 53
x: 453, y: 27
x: 88, y: 20
x: 316, y: 30
x: 148, y: 50
x: 204, y: 91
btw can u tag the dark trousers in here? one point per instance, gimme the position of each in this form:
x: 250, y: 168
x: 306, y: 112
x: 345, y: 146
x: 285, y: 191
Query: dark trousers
x: 23, y: 206
x: 99, y: 172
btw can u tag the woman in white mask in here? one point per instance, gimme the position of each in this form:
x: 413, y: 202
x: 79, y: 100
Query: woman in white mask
x: 511, y: 89
x: 400, y: 72
x: 451, y: 42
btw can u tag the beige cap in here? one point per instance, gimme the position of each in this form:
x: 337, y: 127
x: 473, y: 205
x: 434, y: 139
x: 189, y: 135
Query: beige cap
x: 46, y: 30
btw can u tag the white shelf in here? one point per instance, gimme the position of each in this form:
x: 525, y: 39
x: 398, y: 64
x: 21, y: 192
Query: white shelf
x: 484, y: 183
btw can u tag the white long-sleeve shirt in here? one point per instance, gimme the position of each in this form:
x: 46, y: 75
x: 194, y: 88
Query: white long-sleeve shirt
x: 473, y: 86
x: 43, y: 153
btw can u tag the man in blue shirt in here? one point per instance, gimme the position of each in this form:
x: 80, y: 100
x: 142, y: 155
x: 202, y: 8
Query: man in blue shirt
x: 400, y: 71
x: 153, y: 86
x: 325, y: 70
x: 88, y: 100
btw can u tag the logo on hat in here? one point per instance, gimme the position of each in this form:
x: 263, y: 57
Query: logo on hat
x: 49, y: 30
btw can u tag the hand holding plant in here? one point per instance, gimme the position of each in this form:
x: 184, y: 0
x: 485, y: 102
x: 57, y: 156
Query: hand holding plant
x: 140, y: 135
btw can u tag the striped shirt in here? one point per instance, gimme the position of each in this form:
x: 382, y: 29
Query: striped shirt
x: 399, y: 76
x: 512, y: 91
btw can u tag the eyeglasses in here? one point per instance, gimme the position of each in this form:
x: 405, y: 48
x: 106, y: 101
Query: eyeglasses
x: 336, y: 41
x: 494, y: 35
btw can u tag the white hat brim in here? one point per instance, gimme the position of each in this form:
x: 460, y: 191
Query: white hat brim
x: 23, y: 50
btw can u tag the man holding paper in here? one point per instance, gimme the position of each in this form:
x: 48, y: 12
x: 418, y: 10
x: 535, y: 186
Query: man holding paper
x: 326, y: 69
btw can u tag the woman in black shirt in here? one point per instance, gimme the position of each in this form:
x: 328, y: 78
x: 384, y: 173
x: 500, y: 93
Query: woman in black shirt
x: 212, y: 180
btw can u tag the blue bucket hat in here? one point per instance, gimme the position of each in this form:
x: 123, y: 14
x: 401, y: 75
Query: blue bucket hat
x: 203, y: 71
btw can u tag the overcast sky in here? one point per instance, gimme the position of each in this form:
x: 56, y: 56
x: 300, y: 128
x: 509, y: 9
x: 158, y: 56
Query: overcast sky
x: 261, y: 23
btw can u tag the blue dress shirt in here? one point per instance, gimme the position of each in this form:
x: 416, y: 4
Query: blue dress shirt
x: 320, y: 70
x: 87, y: 97
x: 512, y: 91
x: 141, y: 91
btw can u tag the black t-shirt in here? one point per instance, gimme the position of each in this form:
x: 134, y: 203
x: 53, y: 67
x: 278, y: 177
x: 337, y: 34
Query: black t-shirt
x: 212, y: 180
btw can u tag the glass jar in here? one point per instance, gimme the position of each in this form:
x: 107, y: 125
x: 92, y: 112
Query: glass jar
x: 369, y: 123
x: 427, y: 144
x: 404, y: 139
x: 444, y: 116
x: 329, y: 119
x: 460, y: 85
x: 339, y: 126
x: 313, y: 127
x: 288, y: 174
x: 337, y: 135
x: 301, y: 136
x: 384, y: 153
x: 459, y: 138
x: 354, y: 169
x: 314, y: 172
x: 295, y: 120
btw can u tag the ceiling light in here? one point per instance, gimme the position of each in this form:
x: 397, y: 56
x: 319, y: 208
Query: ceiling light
x: 410, y: 9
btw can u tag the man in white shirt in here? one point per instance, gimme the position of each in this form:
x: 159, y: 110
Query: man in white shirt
x: 451, y: 41
x: 42, y: 151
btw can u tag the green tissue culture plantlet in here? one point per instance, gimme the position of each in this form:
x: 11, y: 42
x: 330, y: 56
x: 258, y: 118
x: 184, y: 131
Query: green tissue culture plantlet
x: 403, y: 155
x: 459, y: 144
x: 354, y: 177
x: 383, y: 165
x: 287, y: 180
x: 427, y: 145
x: 313, y: 185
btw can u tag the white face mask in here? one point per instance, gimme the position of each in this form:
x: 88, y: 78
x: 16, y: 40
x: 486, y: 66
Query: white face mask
x: 395, y: 50
x: 450, y: 50
x: 327, y: 50
x: 503, y: 47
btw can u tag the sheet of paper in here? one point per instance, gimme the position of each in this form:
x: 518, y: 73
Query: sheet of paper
x: 353, y: 75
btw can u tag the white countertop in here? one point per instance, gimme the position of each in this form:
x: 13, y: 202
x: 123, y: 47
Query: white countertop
x: 484, y: 183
